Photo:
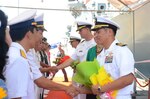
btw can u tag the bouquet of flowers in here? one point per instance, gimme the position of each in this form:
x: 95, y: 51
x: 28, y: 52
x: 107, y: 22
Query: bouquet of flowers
x: 84, y: 70
x: 90, y: 73
x: 74, y: 64
x: 102, y: 78
x: 3, y: 94
x: 60, y: 60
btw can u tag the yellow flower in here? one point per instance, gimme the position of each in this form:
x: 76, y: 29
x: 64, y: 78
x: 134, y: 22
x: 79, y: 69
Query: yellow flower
x: 2, y: 93
x: 103, y: 78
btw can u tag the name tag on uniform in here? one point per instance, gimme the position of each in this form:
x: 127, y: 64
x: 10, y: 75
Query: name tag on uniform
x: 80, y: 51
x: 109, y: 58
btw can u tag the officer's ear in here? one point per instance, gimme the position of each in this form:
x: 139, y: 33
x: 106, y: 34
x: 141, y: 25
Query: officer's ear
x: 7, y: 36
x: 29, y: 35
x: 110, y: 31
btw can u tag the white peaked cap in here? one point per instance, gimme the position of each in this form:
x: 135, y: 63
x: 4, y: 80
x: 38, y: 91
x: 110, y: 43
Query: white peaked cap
x: 75, y: 35
x: 39, y: 17
x: 39, y: 20
x: 84, y: 22
x: 25, y: 16
x: 106, y: 20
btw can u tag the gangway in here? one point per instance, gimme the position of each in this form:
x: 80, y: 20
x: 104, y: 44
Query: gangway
x: 142, y: 86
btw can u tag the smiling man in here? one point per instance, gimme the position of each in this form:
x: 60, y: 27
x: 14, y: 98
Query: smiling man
x: 116, y: 58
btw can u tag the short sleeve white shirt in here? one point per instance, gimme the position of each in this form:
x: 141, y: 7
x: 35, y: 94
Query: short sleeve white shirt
x: 18, y: 74
x: 82, y: 49
x: 118, y: 61
x: 81, y: 54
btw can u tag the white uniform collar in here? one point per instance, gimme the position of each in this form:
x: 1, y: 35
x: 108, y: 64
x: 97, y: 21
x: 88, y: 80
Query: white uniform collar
x: 111, y: 46
x: 90, y: 40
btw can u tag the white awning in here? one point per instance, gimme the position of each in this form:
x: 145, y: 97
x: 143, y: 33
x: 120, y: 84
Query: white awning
x: 128, y: 4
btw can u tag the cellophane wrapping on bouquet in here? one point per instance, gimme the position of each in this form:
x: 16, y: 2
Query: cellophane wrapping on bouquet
x: 91, y: 73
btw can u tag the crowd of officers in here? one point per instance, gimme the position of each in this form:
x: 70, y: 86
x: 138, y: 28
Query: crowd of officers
x: 28, y: 59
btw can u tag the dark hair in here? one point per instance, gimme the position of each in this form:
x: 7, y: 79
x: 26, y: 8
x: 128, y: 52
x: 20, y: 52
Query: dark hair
x: 18, y: 34
x: 3, y: 44
x: 115, y: 31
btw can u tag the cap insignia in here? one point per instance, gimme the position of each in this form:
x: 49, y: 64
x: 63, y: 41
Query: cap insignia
x: 34, y: 23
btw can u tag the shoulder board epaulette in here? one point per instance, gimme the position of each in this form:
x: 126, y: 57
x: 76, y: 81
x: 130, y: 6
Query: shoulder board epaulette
x: 82, y: 41
x: 121, y: 44
x: 23, y: 54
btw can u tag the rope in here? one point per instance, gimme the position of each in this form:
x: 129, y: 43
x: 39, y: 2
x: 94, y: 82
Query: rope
x: 141, y: 84
x: 64, y: 9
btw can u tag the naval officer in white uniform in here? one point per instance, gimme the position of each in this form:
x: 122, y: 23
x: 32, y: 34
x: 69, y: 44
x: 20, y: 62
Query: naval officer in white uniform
x: 116, y: 58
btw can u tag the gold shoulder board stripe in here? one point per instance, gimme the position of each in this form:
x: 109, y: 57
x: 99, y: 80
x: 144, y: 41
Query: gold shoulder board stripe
x: 23, y: 53
x: 121, y: 44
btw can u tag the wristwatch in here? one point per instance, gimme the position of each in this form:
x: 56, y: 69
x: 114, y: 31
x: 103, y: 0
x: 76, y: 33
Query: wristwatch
x: 99, y: 89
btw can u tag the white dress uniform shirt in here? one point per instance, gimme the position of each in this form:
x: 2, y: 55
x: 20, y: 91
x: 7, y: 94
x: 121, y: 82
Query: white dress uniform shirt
x: 118, y: 61
x: 80, y: 54
x: 82, y: 49
x: 18, y: 74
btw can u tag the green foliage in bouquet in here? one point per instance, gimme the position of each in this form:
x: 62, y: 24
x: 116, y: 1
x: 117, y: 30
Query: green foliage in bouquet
x: 57, y: 60
x: 74, y: 64
x: 84, y: 70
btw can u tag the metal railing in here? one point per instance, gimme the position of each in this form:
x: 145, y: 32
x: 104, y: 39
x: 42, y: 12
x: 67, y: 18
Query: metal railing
x: 146, y: 80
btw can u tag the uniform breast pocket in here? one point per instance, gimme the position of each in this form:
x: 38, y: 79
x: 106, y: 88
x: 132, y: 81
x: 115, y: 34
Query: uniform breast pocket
x: 111, y: 68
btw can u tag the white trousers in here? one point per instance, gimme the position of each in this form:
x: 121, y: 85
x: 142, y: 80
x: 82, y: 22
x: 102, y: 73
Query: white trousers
x: 79, y: 96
